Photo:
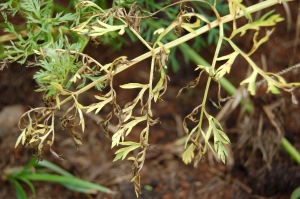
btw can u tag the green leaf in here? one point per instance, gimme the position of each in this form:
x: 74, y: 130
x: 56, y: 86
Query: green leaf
x: 54, y: 168
x: 19, y: 190
x: 29, y: 184
x: 296, y: 194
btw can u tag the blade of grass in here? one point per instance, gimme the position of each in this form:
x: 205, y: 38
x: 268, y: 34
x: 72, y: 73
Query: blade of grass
x: 29, y: 184
x: 54, y: 168
x: 67, y: 181
x: 19, y: 190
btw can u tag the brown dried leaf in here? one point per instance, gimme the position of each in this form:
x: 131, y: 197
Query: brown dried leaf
x: 191, y: 84
x: 54, y: 154
x: 76, y: 138
x: 104, y: 123
x: 219, y: 107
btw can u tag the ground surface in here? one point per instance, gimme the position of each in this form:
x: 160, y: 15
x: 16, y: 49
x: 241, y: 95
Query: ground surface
x: 257, y: 166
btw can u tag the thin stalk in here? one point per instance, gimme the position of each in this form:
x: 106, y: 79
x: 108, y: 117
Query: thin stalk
x: 150, y: 85
x: 140, y: 38
x: 202, y: 109
x: 212, y: 69
x: 290, y: 149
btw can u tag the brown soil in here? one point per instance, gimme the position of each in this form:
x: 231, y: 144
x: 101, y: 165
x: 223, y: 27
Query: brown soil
x: 257, y: 166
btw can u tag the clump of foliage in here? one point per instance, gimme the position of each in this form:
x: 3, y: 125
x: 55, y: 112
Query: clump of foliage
x: 47, y: 172
x: 57, y: 42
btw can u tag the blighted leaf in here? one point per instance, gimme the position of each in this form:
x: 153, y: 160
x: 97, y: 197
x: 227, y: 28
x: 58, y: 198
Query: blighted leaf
x: 22, y: 137
x: 188, y: 154
x: 133, y: 85
x: 158, y: 31
x: 82, y: 122
x: 256, y: 43
x: 204, y: 68
x: 225, y: 68
x: 98, y: 106
x: 191, y: 84
x: 56, y: 155
x: 137, y: 184
x: 98, y: 31
x: 251, y: 82
x: 221, y: 150
x: 265, y: 21
x: 59, y: 88
x: 81, y: 26
x: 57, y: 101
x: 158, y: 87
x: 220, y: 138
x: 127, y: 111
x: 235, y: 7
x: 123, y: 152
x: 125, y: 130
x: 88, y: 4
x: 272, y: 88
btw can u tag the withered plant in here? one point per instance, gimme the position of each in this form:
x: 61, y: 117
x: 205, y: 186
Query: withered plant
x: 63, y: 65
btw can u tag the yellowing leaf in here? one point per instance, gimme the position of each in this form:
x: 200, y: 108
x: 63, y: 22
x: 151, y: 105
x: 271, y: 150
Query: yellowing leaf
x: 59, y: 88
x: 188, y: 154
x: 158, y: 31
x: 57, y: 101
x: 116, y: 138
x: 125, y: 130
x: 225, y: 68
x: 82, y: 122
x: 81, y: 26
x: 251, y: 82
x: 156, y: 88
x: 133, y: 85
x: 105, y: 28
x: 98, y: 106
x: 22, y: 136
x: 88, y: 4
x: 123, y: 152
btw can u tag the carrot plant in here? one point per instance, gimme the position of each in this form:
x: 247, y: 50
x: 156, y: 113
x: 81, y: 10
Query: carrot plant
x: 57, y: 43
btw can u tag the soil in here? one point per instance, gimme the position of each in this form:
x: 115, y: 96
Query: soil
x: 257, y: 166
